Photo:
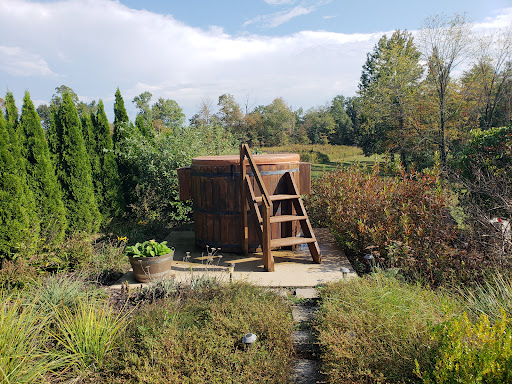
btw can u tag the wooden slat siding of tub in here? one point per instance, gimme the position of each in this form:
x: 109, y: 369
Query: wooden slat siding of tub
x: 304, y: 182
x: 216, y: 195
x: 184, y: 183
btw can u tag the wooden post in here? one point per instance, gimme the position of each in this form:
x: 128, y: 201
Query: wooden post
x: 243, y: 203
x: 268, y: 260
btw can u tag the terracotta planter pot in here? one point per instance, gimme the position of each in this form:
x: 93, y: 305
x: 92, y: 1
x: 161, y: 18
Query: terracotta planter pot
x: 151, y: 268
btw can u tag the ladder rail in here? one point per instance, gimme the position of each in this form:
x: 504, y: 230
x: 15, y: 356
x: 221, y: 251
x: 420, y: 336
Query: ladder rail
x: 264, y: 219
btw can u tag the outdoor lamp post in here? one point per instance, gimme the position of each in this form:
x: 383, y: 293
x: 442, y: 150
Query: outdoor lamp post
x: 370, y: 260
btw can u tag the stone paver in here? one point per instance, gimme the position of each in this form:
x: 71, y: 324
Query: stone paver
x: 307, y: 293
x: 302, y: 313
x: 305, y: 372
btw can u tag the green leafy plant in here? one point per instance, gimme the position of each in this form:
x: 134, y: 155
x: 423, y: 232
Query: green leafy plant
x: 150, y: 248
x: 472, y: 353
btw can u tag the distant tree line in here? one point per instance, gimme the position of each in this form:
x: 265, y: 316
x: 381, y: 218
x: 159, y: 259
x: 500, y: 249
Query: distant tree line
x: 409, y: 101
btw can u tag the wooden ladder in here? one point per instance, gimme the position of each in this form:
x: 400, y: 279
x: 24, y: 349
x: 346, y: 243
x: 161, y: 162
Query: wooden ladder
x: 262, y: 207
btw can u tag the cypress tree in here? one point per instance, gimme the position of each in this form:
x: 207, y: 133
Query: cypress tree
x: 112, y: 203
x: 74, y: 170
x: 121, y: 120
x: 94, y: 157
x: 14, y: 220
x: 41, y: 177
x: 14, y: 147
x: 122, y: 130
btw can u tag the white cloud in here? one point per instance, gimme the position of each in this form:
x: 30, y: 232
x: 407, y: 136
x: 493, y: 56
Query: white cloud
x: 501, y: 20
x: 17, y: 61
x: 96, y: 46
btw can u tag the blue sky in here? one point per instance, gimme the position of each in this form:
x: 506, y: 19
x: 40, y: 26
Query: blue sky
x: 192, y: 51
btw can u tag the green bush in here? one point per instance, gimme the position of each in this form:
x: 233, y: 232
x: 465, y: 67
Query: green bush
x: 196, y: 338
x: 404, y: 221
x: 472, y: 353
x: 372, y: 329
x: 154, y: 161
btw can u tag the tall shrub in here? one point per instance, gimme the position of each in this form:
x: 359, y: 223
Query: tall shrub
x: 41, y: 173
x: 404, y: 221
x: 20, y: 163
x: 74, y: 170
x: 14, y: 220
x: 109, y: 183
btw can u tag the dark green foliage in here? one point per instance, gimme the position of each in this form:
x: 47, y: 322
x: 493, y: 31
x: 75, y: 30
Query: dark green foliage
x: 144, y: 127
x: 107, y: 179
x: 74, y: 170
x: 14, y: 220
x: 14, y: 146
x: 41, y: 176
x: 121, y: 120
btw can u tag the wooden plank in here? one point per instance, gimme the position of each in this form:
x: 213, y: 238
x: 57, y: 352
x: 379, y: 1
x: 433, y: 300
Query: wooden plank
x: 280, y: 197
x: 268, y: 260
x: 305, y: 178
x: 285, y: 219
x: 290, y: 241
x: 243, y: 203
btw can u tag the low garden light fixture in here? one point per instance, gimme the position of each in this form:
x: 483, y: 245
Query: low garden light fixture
x: 231, y: 269
x: 345, y: 272
x: 370, y: 260
x: 249, y: 338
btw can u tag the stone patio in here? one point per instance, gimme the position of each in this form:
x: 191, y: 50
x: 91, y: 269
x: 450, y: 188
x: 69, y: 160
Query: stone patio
x: 292, y: 268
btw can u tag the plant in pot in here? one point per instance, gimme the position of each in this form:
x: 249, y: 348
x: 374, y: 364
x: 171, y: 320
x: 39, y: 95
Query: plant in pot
x: 150, y: 260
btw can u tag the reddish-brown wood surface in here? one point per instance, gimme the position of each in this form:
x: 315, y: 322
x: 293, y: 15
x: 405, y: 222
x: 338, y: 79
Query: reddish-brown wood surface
x: 215, y: 191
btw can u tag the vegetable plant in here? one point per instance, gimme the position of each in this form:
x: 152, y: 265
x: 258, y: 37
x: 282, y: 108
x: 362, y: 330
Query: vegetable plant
x: 150, y: 248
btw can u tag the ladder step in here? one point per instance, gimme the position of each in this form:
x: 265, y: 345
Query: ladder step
x: 258, y: 199
x: 289, y: 241
x: 285, y: 218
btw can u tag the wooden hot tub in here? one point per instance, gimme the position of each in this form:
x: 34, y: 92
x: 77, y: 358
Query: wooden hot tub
x: 213, y: 183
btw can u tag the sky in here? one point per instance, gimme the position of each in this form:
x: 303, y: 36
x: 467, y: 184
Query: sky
x: 193, y: 51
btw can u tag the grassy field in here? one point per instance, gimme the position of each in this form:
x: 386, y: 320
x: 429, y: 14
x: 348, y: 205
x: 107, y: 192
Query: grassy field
x: 326, y: 157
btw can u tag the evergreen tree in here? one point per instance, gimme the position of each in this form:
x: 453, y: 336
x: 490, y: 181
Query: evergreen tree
x: 74, y: 170
x: 14, y: 221
x: 94, y: 155
x: 109, y: 183
x: 122, y: 130
x: 121, y: 121
x: 41, y: 177
x: 14, y: 146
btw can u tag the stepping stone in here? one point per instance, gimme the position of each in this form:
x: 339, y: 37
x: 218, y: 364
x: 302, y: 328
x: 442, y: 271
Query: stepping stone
x: 306, y: 372
x: 307, y: 293
x: 303, y: 313
x: 304, y: 343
